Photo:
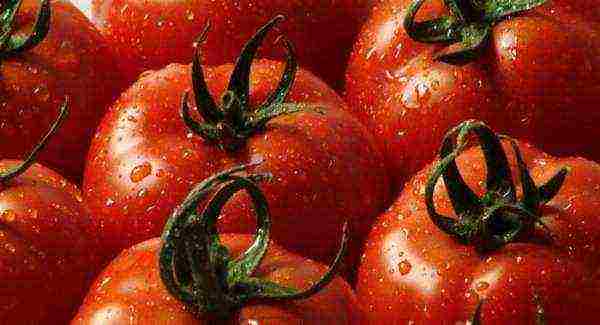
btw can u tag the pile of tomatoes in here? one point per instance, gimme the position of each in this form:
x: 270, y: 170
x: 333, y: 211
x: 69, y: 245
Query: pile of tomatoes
x: 300, y: 162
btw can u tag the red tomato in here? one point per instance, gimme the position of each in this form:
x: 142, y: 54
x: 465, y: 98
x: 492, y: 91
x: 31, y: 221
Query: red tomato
x: 536, y: 76
x: 145, y: 157
x: 72, y: 60
x: 46, y: 259
x: 152, y: 34
x: 237, y: 281
x: 522, y: 258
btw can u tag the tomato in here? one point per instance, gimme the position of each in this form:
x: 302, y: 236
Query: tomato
x: 152, y: 34
x: 72, y: 59
x: 145, y: 157
x: 535, y: 75
x: 46, y: 258
x: 521, y: 258
x: 214, y: 281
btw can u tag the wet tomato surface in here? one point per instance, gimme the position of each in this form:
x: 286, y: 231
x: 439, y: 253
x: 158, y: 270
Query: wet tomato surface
x: 326, y: 167
x: 412, y: 271
x: 152, y: 34
x: 46, y: 257
x: 536, y: 76
x: 130, y: 289
x: 72, y: 60
x: 191, y: 275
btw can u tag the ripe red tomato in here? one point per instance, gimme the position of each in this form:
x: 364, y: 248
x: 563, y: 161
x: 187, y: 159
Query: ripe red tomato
x: 145, y: 157
x: 46, y: 257
x: 191, y: 277
x: 536, y: 76
x: 521, y: 258
x: 152, y: 34
x: 72, y: 60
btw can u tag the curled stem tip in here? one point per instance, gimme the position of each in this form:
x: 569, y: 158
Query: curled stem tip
x: 197, y: 269
x: 231, y: 122
x: 11, y: 44
x: 498, y: 217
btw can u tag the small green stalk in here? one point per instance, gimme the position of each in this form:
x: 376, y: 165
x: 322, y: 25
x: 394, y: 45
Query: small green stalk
x: 229, y: 124
x: 10, y: 174
x: 10, y: 44
x: 498, y: 217
x: 200, y: 271
x: 467, y: 28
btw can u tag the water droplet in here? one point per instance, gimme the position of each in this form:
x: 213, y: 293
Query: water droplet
x: 10, y: 247
x: 142, y: 192
x: 8, y: 215
x: 481, y: 286
x: 189, y: 15
x: 110, y: 202
x: 42, y: 93
x: 404, y: 267
x: 138, y: 173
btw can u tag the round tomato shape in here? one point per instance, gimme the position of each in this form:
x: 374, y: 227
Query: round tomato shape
x: 534, y: 74
x: 445, y: 248
x: 145, y: 156
x: 228, y: 280
x: 64, y: 55
x: 152, y: 34
x: 46, y: 259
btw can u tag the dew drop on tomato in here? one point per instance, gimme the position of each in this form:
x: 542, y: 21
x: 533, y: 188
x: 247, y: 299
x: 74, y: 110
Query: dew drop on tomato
x: 138, y: 173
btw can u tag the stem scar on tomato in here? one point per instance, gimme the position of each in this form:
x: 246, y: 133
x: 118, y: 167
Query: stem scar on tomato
x: 231, y: 123
x: 466, y: 28
x: 197, y: 269
x: 498, y: 217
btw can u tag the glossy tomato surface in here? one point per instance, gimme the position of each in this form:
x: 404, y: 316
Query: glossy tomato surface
x: 46, y: 257
x: 536, y: 78
x: 73, y: 60
x: 413, y: 272
x: 130, y: 290
x: 152, y: 34
x: 326, y: 167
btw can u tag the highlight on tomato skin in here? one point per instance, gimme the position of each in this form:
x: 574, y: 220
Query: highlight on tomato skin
x: 193, y: 275
x: 157, y: 141
x: 532, y: 74
x: 511, y: 231
x: 152, y: 34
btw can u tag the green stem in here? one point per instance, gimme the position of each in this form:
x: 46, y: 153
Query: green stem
x: 230, y: 123
x: 10, y: 174
x: 197, y: 269
x: 11, y: 45
x: 466, y: 28
x: 498, y: 217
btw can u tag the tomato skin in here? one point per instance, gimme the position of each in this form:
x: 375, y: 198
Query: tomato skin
x: 411, y: 270
x: 46, y: 257
x: 73, y: 60
x: 144, y: 160
x: 130, y: 290
x: 519, y: 84
x: 152, y: 34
